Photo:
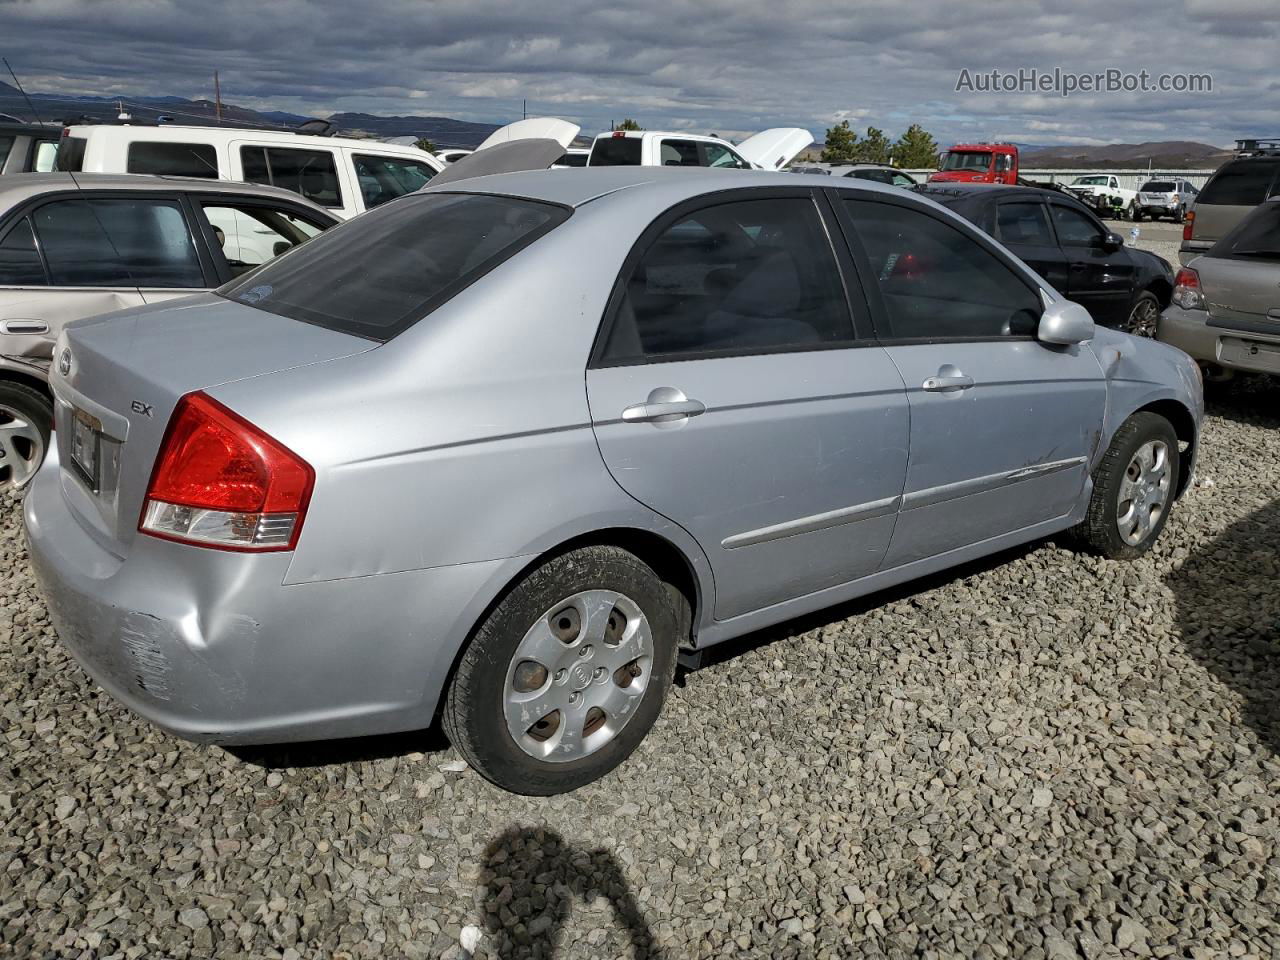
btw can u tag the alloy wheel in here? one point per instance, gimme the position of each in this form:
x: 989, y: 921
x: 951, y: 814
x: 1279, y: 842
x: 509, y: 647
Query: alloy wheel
x: 21, y: 448
x: 1144, y: 492
x: 1144, y: 318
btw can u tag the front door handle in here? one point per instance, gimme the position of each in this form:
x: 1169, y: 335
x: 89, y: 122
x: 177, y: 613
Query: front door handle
x: 23, y: 325
x: 947, y: 378
x: 664, y: 405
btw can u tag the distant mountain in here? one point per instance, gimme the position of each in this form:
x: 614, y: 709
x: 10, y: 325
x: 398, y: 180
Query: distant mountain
x: 52, y: 108
x: 1161, y: 153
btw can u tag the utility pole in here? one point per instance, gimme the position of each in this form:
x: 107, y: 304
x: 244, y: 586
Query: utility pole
x: 525, y: 110
x: 217, y: 98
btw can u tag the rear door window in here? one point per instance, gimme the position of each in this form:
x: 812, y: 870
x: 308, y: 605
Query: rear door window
x: 752, y: 276
x: 173, y: 159
x: 117, y: 242
x: 615, y: 152
x: 1243, y: 183
x: 384, y: 271
x: 680, y: 153
x: 248, y: 234
x: 20, y: 264
x: 311, y: 173
x: 1024, y: 223
x: 385, y: 178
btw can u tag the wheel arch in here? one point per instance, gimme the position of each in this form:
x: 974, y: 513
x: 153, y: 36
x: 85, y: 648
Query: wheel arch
x: 10, y: 375
x: 1184, y: 426
x: 1162, y: 289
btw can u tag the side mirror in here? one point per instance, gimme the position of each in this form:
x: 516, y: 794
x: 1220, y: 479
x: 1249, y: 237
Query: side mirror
x: 1065, y: 322
x: 1112, y: 241
x: 280, y: 246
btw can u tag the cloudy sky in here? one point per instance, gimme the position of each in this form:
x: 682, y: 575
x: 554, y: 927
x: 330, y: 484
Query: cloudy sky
x: 725, y: 66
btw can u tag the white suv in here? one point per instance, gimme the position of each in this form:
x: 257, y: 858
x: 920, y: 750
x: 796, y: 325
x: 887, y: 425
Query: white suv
x: 345, y: 176
x: 767, y: 150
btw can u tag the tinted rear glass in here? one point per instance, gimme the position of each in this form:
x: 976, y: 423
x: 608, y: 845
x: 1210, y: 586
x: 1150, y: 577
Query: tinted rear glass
x: 1158, y: 186
x: 1257, y: 236
x: 616, y: 152
x: 573, y: 160
x: 1242, y: 183
x: 174, y: 159
x: 71, y: 153
x: 379, y: 274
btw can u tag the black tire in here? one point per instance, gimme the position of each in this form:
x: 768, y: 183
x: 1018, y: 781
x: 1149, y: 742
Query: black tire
x: 29, y: 404
x: 1180, y: 216
x: 474, y: 718
x: 1144, y: 315
x: 1099, y: 532
x: 1131, y: 212
x: 1137, y: 213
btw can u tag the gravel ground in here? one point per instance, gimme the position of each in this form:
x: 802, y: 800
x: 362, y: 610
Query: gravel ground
x: 1040, y: 756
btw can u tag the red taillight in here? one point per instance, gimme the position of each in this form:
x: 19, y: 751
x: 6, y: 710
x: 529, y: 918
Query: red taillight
x: 219, y: 481
x: 618, y: 133
x: 1186, y: 290
x: 1187, y: 278
x: 1188, y: 224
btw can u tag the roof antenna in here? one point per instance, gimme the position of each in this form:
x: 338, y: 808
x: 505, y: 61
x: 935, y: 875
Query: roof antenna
x: 18, y: 83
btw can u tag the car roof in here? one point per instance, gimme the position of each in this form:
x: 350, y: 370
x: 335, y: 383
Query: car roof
x: 950, y: 192
x: 575, y: 186
x: 30, y: 129
x: 190, y: 132
x: 17, y: 187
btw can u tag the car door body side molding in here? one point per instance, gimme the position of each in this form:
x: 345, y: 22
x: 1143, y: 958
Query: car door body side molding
x: 991, y: 481
x: 818, y: 521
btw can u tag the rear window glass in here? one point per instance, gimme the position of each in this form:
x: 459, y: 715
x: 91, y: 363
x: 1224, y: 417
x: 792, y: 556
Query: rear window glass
x: 71, y: 153
x: 1158, y: 186
x: 1242, y: 183
x: 174, y: 159
x: 616, y: 152
x: 1256, y: 238
x: 311, y: 173
x: 379, y: 274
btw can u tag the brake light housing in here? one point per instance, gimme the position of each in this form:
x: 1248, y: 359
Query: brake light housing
x: 1187, y: 293
x: 1188, y: 225
x: 219, y: 481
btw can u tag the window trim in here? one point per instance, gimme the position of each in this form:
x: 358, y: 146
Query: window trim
x: 32, y: 204
x: 217, y: 259
x: 871, y: 286
x: 7, y: 228
x: 656, y: 227
x: 333, y: 155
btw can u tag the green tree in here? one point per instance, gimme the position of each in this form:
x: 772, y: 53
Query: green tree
x: 916, y: 149
x: 841, y: 144
x: 425, y: 144
x: 875, y: 147
x: 628, y: 124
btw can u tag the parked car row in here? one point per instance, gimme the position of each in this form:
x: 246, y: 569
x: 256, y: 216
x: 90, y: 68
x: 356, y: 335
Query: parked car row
x: 735, y: 398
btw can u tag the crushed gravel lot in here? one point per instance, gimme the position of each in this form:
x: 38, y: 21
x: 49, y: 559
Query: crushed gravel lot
x: 1042, y: 755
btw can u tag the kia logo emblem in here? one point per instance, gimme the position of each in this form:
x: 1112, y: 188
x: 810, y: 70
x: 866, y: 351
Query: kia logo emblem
x: 64, y: 362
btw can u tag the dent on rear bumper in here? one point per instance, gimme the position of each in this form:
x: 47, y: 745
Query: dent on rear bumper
x: 211, y: 645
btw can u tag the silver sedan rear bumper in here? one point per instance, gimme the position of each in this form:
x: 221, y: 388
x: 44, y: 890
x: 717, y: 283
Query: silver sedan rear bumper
x: 211, y: 645
x: 1188, y: 330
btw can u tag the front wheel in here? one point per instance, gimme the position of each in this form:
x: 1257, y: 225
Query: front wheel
x: 1132, y: 211
x: 565, y: 677
x: 1132, y: 489
x: 26, y: 423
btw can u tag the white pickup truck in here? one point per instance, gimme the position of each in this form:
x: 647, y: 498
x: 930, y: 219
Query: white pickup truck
x: 768, y: 150
x: 1103, y: 192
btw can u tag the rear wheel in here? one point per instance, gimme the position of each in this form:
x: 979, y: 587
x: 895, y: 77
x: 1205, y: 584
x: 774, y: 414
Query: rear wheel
x: 1144, y: 316
x: 1181, y: 215
x: 565, y: 677
x: 26, y: 421
x: 1132, y: 489
x: 1135, y: 213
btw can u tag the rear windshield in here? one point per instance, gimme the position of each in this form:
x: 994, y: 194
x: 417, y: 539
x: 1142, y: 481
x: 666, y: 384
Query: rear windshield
x: 1257, y: 237
x: 1158, y: 186
x: 71, y: 154
x: 615, y: 152
x: 379, y: 274
x: 1241, y: 183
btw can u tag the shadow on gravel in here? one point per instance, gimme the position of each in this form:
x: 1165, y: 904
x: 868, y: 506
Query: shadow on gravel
x: 323, y: 753
x: 1228, y: 612
x: 533, y: 876
x: 1245, y: 399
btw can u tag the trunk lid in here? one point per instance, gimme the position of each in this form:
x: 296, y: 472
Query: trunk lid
x: 1242, y: 290
x: 773, y: 149
x: 117, y: 379
x: 533, y: 128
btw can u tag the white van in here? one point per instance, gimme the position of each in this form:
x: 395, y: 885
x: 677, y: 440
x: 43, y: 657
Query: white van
x: 345, y: 176
x: 768, y: 150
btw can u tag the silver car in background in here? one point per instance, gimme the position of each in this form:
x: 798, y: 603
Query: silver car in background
x: 1226, y: 304
x: 502, y: 451
x: 1165, y: 198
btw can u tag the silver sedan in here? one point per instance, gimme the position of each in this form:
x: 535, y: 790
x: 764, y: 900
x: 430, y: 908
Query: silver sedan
x: 502, y: 452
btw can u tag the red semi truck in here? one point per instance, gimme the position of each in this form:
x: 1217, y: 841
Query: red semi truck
x: 978, y: 163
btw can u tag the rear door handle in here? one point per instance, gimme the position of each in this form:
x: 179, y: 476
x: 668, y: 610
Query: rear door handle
x: 954, y: 382
x: 23, y: 325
